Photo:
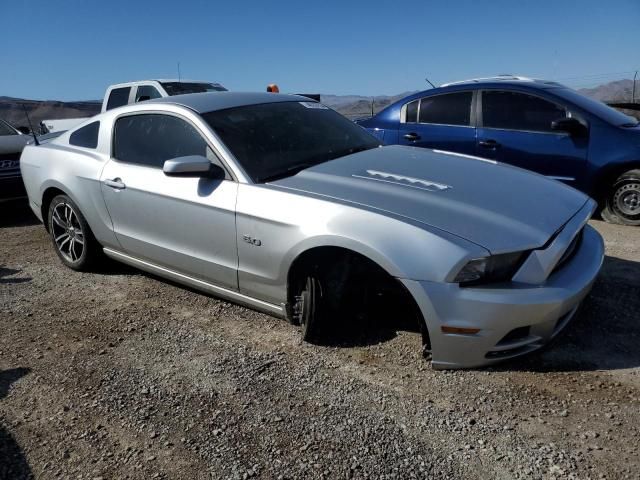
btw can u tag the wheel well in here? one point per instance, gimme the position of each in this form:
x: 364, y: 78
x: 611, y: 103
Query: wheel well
x: 49, y: 194
x: 349, y: 269
x: 607, y: 176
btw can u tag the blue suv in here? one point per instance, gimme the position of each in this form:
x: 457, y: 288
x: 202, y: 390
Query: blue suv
x: 533, y: 124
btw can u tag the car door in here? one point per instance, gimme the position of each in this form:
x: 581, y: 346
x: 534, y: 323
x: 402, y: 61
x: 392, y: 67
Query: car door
x: 185, y: 224
x: 515, y: 128
x: 441, y: 122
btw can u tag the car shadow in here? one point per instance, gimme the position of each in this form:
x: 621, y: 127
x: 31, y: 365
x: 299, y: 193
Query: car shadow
x: 9, y: 272
x: 379, y: 326
x: 13, y: 463
x: 605, y: 332
x: 17, y: 213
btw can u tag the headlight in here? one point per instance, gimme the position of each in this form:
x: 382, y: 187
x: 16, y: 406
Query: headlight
x: 495, y: 268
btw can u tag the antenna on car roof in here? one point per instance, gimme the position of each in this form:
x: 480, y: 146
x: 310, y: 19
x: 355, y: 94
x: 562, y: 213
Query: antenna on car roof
x: 429, y: 82
x: 179, y: 77
x: 35, y: 138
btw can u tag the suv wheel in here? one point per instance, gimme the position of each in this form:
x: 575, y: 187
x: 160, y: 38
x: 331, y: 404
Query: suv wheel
x: 71, y: 235
x: 623, y: 201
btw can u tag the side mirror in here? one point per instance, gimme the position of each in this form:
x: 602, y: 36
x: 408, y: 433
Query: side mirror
x: 192, y: 166
x: 570, y: 125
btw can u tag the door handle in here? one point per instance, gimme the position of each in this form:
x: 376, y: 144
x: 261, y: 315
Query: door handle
x: 412, y: 137
x: 115, y: 183
x: 492, y: 144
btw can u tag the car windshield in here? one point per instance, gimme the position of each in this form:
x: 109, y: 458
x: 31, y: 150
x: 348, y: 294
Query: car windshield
x: 602, y: 110
x: 181, y: 88
x: 275, y: 140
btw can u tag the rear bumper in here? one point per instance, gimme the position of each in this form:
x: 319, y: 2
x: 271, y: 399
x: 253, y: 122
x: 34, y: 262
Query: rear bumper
x: 11, y: 188
x: 514, y: 319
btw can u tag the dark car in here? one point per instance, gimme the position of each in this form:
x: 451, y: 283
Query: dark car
x: 12, y: 142
x: 534, y: 124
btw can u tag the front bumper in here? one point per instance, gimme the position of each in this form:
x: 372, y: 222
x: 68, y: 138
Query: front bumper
x: 513, y: 319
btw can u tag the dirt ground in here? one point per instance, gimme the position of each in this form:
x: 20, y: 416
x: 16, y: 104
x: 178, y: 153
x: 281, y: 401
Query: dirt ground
x: 121, y: 375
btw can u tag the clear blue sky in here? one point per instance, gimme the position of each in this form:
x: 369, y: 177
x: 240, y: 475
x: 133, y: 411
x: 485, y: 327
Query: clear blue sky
x: 73, y: 49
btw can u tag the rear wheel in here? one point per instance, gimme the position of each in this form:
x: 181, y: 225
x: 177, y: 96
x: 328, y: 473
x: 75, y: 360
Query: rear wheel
x: 71, y: 235
x: 623, y: 200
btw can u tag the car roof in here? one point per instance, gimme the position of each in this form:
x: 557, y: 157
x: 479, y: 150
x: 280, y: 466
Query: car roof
x: 501, y: 81
x: 211, y: 101
x: 506, y: 79
x: 159, y: 80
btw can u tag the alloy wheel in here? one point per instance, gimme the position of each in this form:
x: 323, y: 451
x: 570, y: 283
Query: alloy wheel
x: 67, y: 232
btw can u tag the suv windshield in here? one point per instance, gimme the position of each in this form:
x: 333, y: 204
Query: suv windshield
x: 605, y: 112
x: 276, y: 140
x: 181, y: 88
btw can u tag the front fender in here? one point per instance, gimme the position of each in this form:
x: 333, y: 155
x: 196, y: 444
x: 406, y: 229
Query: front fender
x: 287, y: 225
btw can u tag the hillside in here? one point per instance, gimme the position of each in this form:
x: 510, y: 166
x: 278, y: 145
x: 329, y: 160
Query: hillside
x: 619, y: 90
x: 12, y: 110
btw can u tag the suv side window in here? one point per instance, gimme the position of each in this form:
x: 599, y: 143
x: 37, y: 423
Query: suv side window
x: 86, y: 136
x: 447, y: 109
x: 147, y: 92
x: 150, y: 139
x: 118, y: 97
x: 518, y: 111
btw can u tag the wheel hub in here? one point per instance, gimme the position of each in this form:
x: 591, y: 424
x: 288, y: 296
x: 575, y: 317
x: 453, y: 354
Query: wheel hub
x: 627, y: 199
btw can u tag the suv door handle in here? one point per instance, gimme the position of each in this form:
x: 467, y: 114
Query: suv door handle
x: 412, y: 137
x: 115, y: 183
x: 492, y: 144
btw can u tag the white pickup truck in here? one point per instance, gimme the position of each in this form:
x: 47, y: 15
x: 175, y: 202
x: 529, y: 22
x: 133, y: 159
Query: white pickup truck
x: 133, y: 92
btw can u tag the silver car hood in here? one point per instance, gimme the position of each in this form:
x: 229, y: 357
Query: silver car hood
x: 499, y: 207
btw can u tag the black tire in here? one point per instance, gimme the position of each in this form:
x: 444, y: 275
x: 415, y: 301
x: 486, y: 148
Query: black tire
x: 622, y: 204
x: 309, y: 310
x: 72, y: 238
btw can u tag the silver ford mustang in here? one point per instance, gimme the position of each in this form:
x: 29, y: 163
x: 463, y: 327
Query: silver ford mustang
x: 281, y: 204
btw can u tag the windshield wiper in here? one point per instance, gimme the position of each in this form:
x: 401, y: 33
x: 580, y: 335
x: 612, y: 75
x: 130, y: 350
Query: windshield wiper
x: 289, y: 172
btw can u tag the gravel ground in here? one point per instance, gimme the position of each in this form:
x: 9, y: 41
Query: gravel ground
x: 121, y: 375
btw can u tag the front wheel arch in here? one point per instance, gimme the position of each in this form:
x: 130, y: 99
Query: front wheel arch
x: 320, y: 259
x: 606, y: 177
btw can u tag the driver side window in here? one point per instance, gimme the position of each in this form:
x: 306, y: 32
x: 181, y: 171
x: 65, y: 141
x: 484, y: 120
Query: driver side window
x: 518, y: 111
x: 151, y: 139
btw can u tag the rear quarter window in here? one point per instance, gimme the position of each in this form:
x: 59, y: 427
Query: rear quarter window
x: 86, y: 136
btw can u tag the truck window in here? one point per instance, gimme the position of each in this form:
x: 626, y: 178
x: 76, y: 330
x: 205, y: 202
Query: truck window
x: 146, y: 92
x: 181, y: 88
x: 118, y: 97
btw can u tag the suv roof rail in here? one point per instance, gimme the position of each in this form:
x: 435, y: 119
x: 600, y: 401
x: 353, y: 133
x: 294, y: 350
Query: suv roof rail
x: 497, y: 78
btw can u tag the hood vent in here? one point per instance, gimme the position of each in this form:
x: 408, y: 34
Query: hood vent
x: 404, y: 181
